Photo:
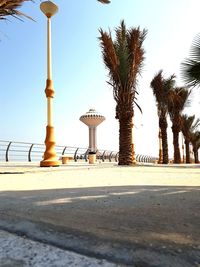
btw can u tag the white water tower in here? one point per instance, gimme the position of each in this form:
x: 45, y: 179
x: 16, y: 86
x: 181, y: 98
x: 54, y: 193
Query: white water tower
x: 92, y: 119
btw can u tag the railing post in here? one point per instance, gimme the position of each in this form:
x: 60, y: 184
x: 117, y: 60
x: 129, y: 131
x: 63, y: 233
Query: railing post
x: 75, y: 154
x: 116, y: 156
x: 7, y: 151
x: 103, y: 155
x: 96, y: 154
x: 110, y: 156
x: 29, y: 152
x: 64, y: 150
x: 86, y: 153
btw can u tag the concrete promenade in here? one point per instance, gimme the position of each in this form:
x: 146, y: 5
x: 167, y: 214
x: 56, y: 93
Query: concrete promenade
x: 141, y: 216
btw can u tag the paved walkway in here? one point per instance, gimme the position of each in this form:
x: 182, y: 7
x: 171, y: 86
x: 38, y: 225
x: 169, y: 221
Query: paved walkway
x: 16, y: 251
x: 138, y: 216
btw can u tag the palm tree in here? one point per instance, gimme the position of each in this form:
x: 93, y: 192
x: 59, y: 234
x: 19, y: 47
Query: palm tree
x: 177, y: 100
x: 10, y: 8
x: 195, y: 140
x: 161, y: 88
x: 191, y: 66
x: 124, y: 59
x: 189, y: 125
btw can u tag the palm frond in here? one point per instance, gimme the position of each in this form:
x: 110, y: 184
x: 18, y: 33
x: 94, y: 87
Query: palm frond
x: 196, y: 125
x: 157, y: 85
x: 178, y: 99
x: 187, y: 125
x: 122, y: 53
x: 109, y: 54
x: 138, y: 106
x: 135, y: 39
x: 190, y: 68
x: 195, y: 139
x: 162, y: 88
x: 123, y: 58
x: 10, y: 8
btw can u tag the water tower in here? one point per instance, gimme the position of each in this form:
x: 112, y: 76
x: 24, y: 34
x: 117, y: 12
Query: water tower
x: 92, y: 119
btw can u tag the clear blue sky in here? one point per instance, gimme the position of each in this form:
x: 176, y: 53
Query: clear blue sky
x: 78, y: 71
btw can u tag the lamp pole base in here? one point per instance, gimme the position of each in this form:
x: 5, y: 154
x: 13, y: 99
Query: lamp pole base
x: 50, y: 159
x: 49, y: 163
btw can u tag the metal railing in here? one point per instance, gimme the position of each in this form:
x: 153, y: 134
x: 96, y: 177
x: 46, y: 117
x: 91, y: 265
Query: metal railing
x: 21, y: 151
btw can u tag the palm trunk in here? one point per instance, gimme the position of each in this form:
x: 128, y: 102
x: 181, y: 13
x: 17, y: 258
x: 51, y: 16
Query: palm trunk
x: 125, y: 142
x: 196, y: 155
x: 187, y: 150
x: 163, y: 127
x: 177, y: 155
x: 160, y: 159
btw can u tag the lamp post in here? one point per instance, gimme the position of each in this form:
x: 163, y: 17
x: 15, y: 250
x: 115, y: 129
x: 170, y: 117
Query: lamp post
x: 49, y: 158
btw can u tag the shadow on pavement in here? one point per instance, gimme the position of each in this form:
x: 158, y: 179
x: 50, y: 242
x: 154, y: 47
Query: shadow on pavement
x: 133, y: 225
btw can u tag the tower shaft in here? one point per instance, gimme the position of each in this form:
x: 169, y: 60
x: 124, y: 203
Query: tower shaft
x: 92, y: 138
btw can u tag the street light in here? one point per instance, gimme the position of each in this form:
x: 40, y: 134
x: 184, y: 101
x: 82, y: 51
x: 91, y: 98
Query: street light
x: 49, y: 158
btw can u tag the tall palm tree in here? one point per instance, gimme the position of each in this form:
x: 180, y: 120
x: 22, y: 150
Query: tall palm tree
x: 195, y: 140
x: 10, y: 8
x: 124, y: 59
x: 161, y: 88
x: 177, y: 100
x: 189, y: 125
x: 190, y: 68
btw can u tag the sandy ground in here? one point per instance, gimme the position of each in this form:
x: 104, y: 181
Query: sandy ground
x: 142, y: 216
